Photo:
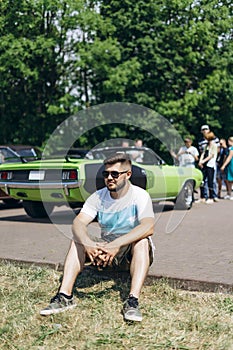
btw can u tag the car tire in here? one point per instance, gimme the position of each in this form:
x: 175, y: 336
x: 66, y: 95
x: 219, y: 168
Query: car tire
x: 11, y: 202
x: 185, y: 198
x: 37, y: 209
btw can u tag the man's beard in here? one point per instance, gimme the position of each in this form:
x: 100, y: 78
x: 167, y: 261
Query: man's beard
x: 117, y: 188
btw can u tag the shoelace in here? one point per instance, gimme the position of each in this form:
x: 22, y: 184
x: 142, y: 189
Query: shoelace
x: 59, y: 297
x: 133, y: 302
x: 56, y: 298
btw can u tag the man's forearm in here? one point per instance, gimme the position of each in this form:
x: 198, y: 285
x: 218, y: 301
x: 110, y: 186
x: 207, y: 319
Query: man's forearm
x: 80, y: 233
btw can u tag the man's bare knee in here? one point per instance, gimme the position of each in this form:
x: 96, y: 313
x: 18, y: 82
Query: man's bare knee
x: 138, y: 246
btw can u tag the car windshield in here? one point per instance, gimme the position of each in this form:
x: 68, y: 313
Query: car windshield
x: 141, y: 155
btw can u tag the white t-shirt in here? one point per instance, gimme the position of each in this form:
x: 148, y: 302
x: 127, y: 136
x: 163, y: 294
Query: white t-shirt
x: 213, y: 149
x: 118, y: 216
x: 187, y: 159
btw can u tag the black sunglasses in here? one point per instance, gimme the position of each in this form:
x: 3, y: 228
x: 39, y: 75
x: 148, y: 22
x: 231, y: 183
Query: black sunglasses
x: 114, y: 174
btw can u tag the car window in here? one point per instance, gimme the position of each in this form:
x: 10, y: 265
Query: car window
x: 142, y: 156
x: 8, y: 156
x: 27, y: 153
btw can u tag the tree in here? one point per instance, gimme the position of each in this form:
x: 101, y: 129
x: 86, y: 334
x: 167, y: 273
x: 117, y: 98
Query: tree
x: 183, y: 55
x: 44, y: 64
x: 60, y: 56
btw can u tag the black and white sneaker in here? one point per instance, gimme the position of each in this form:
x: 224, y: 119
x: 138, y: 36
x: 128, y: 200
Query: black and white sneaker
x: 58, y: 303
x: 131, y: 309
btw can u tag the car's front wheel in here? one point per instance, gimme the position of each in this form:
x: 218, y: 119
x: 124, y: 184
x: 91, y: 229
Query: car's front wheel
x: 185, y: 198
x: 37, y: 209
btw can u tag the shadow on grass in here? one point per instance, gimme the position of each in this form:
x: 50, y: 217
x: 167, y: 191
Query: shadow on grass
x: 91, y: 277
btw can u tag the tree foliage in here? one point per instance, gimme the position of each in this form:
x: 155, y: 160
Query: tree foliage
x: 60, y: 56
x: 183, y: 55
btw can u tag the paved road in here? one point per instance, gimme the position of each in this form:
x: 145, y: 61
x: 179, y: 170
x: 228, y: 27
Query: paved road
x: 193, y: 247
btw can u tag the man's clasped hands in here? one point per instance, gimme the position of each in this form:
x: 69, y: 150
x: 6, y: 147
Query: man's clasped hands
x: 102, y: 253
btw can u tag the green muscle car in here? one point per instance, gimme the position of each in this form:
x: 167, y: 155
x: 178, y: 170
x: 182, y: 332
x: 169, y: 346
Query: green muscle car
x: 46, y: 183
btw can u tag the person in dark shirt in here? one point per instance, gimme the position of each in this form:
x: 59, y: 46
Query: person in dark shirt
x: 205, y: 129
x: 221, y: 175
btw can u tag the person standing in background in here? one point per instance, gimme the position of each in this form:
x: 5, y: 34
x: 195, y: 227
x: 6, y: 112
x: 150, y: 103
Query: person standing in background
x: 137, y: 154
x: 221, y: 175
x: 201, y: 145
x: 207, y: 164
x: 125, y: 143
x: 187, y: 155
x: 229, y: 164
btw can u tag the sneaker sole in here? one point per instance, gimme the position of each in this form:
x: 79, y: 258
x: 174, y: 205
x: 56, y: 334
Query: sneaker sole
x: 56, y: 311
x: 133, y: 318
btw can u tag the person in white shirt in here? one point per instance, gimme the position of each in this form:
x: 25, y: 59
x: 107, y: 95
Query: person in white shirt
x: 126, y: 218
x: 188, y: 154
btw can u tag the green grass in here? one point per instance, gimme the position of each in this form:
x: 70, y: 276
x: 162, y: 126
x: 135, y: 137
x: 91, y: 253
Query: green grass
x: 172, y: 319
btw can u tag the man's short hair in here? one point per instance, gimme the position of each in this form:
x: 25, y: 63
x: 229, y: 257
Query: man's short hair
x: 119, y: 157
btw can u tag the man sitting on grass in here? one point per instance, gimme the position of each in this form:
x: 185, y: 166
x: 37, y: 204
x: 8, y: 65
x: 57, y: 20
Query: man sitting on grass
x: 126, y: 217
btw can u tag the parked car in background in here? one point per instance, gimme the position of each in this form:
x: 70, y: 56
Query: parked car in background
x: 16, y: 154
x: 56, y: 181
